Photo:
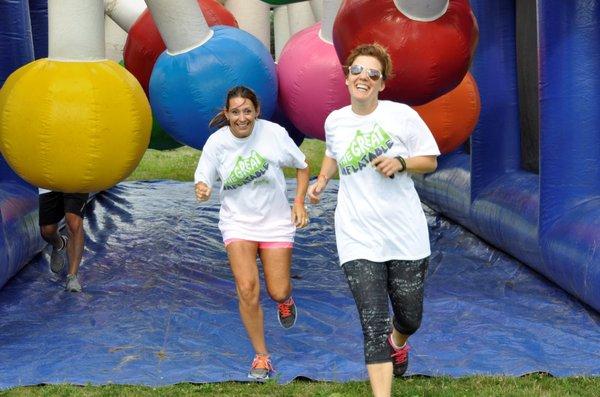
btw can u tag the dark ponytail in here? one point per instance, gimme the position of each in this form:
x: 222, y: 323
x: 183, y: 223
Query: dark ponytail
x: 236, y: 92
x: 219, y: 120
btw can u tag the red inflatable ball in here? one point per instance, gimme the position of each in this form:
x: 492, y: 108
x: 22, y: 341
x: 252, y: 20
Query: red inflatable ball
x: 430, y: 55
x: 453, y: 116
x: 144, y: 43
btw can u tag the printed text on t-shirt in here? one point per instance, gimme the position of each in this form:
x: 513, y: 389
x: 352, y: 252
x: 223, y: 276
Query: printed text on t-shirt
x: 246, y: 170
x: 364, y: 148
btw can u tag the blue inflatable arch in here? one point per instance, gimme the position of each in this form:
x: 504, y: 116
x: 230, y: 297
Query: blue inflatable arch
x: 550, y: 220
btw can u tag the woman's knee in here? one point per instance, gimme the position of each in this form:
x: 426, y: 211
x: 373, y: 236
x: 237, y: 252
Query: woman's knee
x: 408, y: 325
x: 406, y: 293
x: 248, y: 292
x: 279, y: 293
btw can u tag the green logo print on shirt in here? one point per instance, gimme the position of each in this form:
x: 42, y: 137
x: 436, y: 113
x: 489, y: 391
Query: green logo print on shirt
x: 364, y: 148
x: 246, y: 170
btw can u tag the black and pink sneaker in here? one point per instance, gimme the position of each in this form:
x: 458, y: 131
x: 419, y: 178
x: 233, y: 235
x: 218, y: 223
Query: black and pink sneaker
x: 399, y: 357
x: 286, y: 313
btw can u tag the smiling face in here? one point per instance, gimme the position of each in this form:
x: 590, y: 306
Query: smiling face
x: 363, y: 90
x: 241, y: 115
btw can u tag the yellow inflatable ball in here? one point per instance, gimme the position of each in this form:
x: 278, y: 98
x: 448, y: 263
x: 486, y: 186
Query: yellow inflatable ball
x: 73, y: 126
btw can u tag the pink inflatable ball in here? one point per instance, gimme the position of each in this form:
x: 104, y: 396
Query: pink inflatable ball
x: 430, y: 53
x: 311, y: 81
x: 144, y: 43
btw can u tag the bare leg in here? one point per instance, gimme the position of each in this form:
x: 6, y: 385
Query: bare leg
x: 381, y: 376
x: 242, y: 257
x: 50, y: 235
x: 76, y: 241
x: 398, y: 338
x: 276, y: 264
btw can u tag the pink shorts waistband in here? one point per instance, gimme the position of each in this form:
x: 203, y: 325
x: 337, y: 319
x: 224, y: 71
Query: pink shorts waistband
x: 263, y: 244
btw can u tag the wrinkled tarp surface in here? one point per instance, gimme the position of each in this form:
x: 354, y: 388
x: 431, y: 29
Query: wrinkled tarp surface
x: 159, y: 305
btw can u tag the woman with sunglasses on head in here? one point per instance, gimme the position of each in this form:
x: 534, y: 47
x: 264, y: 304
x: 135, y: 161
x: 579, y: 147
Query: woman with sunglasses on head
x: 247, y: 154
x: 381, y: 229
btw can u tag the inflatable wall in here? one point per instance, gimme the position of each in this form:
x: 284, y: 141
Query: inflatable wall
x: 550, y: 220
x: 19, y: 232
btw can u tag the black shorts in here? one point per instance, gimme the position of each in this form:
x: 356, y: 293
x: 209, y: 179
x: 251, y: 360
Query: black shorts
x: 54, y: 206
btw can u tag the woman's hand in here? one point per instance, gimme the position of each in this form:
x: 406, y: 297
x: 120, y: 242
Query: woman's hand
x: 387, y: 166
x: 202, y: 191
x: 299, y: 214
x: 315, y: 190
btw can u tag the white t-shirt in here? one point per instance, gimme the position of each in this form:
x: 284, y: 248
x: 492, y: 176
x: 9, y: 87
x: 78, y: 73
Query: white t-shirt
x: 254, y: 205
x: 378, y: 218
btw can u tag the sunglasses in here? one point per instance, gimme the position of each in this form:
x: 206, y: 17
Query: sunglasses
x: 355, y: 70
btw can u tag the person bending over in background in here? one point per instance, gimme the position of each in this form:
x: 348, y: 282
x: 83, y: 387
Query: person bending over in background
x: 54, y: 206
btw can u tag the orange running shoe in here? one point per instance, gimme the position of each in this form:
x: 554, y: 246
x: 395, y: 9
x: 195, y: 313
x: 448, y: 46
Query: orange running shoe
x: 261, y: 368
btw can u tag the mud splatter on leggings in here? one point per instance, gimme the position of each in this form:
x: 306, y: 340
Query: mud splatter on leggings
x: 372, y: 283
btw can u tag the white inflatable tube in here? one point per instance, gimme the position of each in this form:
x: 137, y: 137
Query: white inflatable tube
x: 76, y: 30
x: 317, y: 8
x: 124, y: 12
x: 253, y: 16
x: 330, y: 10
x: 300, y: 16
x: 422, y: 10
x: 181, y: 24
x: 281, y: 29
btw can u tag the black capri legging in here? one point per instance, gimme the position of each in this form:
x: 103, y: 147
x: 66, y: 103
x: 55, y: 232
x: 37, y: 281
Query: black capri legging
x: 371, y: 284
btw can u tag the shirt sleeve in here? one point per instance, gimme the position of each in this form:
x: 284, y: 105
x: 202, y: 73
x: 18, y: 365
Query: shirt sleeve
x: 207, y: 169
x: 328, y: 151
x: 290, y: 154
x: 420, y: 139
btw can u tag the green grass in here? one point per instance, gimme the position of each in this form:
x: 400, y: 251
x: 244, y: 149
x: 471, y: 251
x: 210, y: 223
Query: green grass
x: 179, y: 164
x: 532, y: 385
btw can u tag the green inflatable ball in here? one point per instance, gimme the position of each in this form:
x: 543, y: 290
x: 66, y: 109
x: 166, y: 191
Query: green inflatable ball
x: 159, y: 139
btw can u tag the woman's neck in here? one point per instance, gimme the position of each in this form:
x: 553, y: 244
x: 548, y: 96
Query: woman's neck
x: 364, y: 108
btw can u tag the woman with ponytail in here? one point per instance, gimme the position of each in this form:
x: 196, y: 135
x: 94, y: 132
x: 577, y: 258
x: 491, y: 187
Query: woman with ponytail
x: 247, y: 155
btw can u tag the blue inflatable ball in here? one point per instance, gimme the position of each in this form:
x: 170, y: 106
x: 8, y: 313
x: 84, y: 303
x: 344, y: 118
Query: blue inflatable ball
x: 187, y: 90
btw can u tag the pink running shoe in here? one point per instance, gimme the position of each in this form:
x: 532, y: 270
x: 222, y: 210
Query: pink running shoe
x: 399, y: 357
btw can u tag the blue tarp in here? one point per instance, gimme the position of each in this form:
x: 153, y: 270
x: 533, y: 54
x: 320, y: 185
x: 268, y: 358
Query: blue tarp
x: 159, y: 305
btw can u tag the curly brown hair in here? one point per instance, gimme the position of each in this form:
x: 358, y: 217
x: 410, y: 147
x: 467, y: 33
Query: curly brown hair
x: 376, y: 51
